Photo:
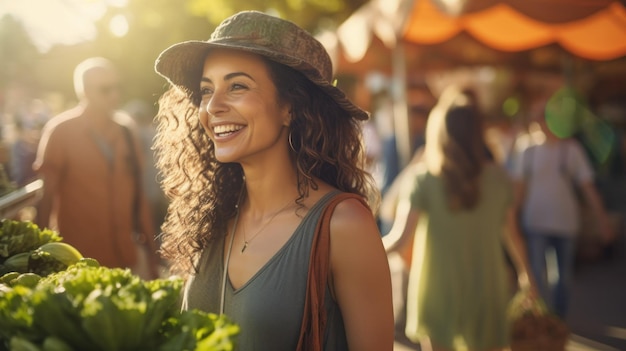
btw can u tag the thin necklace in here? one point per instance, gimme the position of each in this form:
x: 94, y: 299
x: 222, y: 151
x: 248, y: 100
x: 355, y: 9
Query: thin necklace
x: 246, y: 242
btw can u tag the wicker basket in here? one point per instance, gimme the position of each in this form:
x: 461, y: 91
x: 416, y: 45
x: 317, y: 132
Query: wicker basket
x: 533, y: 328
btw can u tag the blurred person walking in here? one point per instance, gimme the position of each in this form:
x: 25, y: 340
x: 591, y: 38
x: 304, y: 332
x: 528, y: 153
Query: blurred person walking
x: 420, y: 101
x: 547, y: 174
x: 269, y: 219
x: 90, y: 161
x: 458, y: 209
x: 29, y: 122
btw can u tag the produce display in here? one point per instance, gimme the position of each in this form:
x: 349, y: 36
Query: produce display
x: 53, y: 299
x: 25, y: 248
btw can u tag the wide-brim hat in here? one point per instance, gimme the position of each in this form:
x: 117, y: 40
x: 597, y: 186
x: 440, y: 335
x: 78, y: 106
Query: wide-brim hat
x: 256, y: 32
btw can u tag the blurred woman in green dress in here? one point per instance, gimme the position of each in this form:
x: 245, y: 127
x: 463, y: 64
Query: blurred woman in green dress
x: 458, y: 211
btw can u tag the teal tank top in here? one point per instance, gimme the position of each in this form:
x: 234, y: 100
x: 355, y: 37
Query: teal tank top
x: 269, y: 307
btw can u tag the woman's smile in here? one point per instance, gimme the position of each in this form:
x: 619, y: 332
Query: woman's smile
x: 224, y: 131
x: 240, y: 109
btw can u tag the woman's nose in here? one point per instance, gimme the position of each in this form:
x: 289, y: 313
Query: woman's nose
x: 216, y: 104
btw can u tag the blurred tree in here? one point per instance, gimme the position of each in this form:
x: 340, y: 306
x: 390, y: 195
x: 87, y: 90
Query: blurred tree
x: 310, y: 14
x: 18, y: 57
x: 153, y: 25
x: 17, y: 53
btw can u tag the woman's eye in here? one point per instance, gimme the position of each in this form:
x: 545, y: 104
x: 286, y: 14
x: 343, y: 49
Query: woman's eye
x: 205, y: 91
x: 237, y: 86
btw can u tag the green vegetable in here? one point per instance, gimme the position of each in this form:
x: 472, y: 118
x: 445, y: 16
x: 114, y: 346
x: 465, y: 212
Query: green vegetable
x: 29, y: 280
x: 63, y: 252
x: 6, y: 279
x: 20, y: 344
x: 22, y: 236
x: 18, y: 262
x: 52, y: 343
x: 46, y: 259
x: 191, y: 332
x: 91, y: 262
x: 101, y: 309
x: 53, y: 257
x: 44, y: 263
x: 16, y: 314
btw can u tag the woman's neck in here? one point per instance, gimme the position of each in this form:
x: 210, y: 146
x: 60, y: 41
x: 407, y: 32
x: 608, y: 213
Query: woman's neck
x: 269, y: 188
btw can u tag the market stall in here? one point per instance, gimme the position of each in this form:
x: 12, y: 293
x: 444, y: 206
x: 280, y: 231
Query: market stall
x: 404, y: 37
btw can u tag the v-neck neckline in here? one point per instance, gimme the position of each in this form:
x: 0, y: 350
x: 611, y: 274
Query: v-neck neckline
x: 276, y: 255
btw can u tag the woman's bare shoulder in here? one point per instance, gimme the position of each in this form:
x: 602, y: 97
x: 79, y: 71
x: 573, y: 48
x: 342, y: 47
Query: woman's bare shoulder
x: 352, y: 219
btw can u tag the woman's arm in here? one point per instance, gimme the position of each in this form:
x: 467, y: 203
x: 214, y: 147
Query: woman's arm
x: 403, y: 228
x: 361, y: 278
x: 393, y: 196
x: 516, y: 248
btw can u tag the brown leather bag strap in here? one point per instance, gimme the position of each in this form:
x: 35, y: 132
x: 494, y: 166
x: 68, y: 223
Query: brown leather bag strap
x: 314, y: 317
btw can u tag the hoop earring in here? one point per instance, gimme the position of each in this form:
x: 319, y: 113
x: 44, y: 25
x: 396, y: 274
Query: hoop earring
x: 289, y: 138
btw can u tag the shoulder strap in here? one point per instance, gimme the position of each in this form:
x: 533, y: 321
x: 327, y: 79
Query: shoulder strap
x: 314, y: 317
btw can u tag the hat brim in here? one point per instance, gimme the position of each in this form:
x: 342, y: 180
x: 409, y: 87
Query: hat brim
x: 178, y: 63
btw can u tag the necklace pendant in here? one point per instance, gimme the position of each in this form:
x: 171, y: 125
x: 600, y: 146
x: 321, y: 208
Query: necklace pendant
x: 245, y: 245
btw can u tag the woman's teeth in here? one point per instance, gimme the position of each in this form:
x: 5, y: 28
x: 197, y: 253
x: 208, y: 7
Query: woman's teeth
x: 226, y: 129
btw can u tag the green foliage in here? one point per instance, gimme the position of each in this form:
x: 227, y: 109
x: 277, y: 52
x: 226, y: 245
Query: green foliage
x: 306, y: 13
x: 44, y: 263
x: 26, y: 248
x: 22, y: 236
x: 104, y: 309
x: 17, y: 53
x: 182, y: 331
x: 154, y: 25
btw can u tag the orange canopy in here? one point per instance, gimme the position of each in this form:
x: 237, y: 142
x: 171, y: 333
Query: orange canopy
x: 599, y: 36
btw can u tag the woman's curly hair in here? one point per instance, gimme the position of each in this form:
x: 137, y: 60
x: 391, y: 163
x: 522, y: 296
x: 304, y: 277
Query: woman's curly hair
x: 203, y: 193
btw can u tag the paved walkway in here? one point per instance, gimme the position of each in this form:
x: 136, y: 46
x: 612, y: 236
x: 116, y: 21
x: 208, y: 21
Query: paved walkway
x: 598, y: 311
x: 575, y: 344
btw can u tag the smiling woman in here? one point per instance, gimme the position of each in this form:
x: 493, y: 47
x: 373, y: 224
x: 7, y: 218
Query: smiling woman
x: 263, y: 162
x: 63, y: 22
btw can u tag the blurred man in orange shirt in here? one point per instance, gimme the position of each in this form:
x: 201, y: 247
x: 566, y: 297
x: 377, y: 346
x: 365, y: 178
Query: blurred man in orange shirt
x: 89, y: 159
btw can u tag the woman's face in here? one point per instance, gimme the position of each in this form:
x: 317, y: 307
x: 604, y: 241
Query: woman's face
x: 240, y: 110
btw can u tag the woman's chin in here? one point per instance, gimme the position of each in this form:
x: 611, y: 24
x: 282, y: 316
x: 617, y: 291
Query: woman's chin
x: 226, y: 156
x: 226, y: 159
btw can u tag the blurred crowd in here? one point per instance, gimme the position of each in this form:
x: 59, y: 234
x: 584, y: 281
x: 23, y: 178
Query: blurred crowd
x: 567, y: 176
x: 506, y: 137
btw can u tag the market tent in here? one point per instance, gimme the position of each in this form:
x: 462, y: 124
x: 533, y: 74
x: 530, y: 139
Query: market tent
x: 594, y: 30
x: 503, y: 29
x: 551, y: 11
x: 598, y: 36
